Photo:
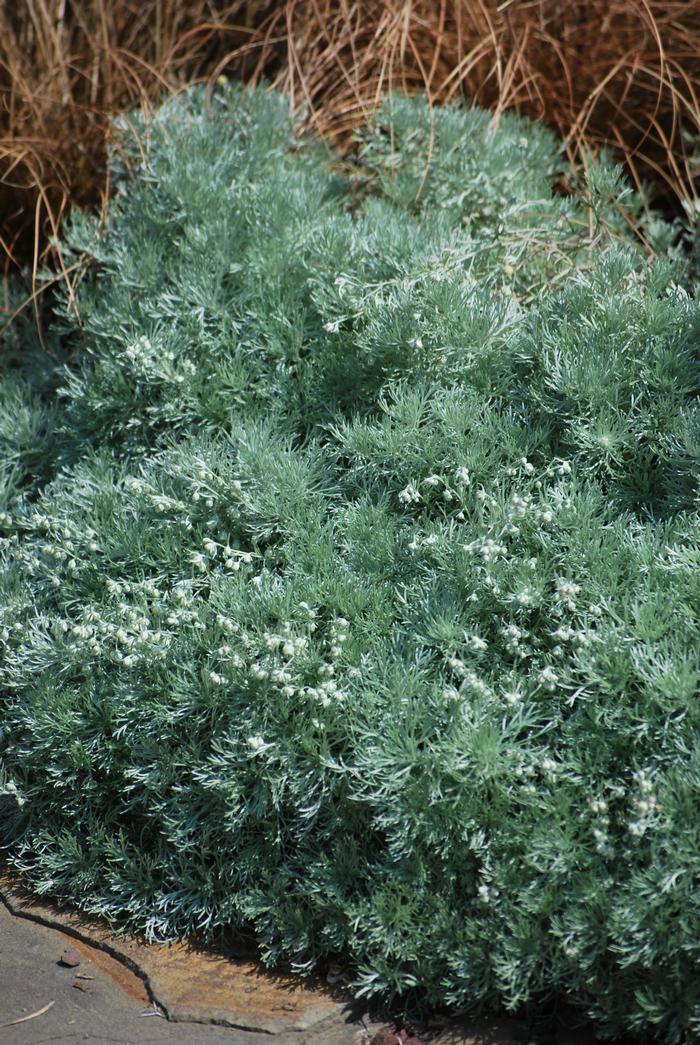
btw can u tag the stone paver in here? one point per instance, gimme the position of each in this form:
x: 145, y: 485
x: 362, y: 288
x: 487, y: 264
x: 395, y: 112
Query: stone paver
x: 109, y: 1012
x: 125, y: 992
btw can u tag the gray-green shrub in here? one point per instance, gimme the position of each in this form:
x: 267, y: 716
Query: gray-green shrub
x: 359, y: 602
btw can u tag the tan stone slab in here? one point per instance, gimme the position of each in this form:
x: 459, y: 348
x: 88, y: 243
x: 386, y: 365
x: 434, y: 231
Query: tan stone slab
x: 188, y: 983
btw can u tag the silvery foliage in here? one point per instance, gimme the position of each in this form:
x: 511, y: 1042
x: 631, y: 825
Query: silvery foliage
x: 351, y: 585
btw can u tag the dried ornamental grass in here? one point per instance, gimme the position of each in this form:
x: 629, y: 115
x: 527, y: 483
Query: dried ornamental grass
x: 67, y: 67
x: 621, y: 74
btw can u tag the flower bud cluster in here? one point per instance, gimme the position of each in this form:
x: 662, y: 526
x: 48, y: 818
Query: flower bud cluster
x: 601, y: 826
x: 155, y: 364
x: 644, y: 804
x: 290, y: 660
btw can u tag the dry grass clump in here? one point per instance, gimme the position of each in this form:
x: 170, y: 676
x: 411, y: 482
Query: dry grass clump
x: 622, y: 73
x: 65, y: 67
